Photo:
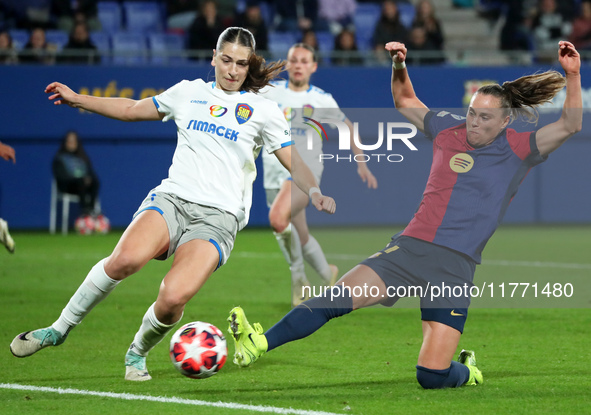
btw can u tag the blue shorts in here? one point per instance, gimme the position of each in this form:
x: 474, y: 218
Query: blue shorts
x: 441, y: 277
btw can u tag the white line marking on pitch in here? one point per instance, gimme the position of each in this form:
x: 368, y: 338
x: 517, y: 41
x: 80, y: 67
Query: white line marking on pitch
x: 494, y: 262
x: 342, y: 257
x: 163, y: 399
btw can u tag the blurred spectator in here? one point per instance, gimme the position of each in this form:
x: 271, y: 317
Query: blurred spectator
x: 80, y: 48
x: 180, y: 14
x: 37, y: 50
x: 581, y: 33
x: 309, y: 38
x: 549, y: 27
x: 346, y: 47
x: 336, y: 15
x: 8, y: 53
x: 74, y: 174
x: 252, y: 19
x: 421, y: 50
x: 425, y: 18
x: 389, y: 28
x: 296, y: 15
x: 516, y: 32
x: 68, y: 13
x: 227, y: 10
x: 206, y: 27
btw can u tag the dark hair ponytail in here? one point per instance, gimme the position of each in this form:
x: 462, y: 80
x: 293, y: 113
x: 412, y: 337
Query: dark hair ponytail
x: 521, y: 96
x: 259, y: 73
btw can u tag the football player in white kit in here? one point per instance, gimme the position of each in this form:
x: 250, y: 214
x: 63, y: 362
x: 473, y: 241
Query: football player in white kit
x: 195, y: 212
x: 297, y: 98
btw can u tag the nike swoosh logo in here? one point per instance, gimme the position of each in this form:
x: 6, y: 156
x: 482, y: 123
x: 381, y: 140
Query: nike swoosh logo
x: 251, y: 340
x: 453, y: 313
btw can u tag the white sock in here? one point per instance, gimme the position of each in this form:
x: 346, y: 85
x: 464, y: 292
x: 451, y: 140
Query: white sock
x: 95, y: 288
x: 150, y: 333
x: 289, y: 243
x: 314, y: 256
x: 285, y: 242
x: 298, y: 272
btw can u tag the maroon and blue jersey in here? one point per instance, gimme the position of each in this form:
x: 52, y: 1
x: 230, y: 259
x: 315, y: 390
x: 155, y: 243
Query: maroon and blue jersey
x: 469, y: 189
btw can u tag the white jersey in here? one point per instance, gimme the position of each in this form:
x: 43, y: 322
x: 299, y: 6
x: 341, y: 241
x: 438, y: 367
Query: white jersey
x: 220, y: 134
x: 313, y: 103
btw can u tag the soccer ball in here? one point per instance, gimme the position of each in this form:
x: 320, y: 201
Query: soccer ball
x: 198, y: 350
x: 84, y: 225
x: 102, y: 224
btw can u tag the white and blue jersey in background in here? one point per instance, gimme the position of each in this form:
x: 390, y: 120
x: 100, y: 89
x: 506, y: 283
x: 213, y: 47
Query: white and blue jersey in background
x: 313, y: 103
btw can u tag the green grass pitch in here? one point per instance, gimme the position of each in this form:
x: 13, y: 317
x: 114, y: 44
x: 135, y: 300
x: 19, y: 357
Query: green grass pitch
x: 534, y: 360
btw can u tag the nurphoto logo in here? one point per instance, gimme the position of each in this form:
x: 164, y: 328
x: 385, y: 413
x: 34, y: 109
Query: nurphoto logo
x: 401, y: 131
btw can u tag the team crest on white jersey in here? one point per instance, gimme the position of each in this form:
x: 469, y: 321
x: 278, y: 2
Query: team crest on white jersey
x: 243, y: 113
x: 308, y: 110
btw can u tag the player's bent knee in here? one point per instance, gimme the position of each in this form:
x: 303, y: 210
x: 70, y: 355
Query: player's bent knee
x: 170, y: 308
x: 278, y: 222
x: 173, y: 300
x: 121, y: 265
x: 430, y: 379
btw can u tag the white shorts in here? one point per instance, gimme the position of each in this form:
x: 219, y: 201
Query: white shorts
x: 187, y: 221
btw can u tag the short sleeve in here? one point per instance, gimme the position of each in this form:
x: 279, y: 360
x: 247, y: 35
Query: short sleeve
x: 166, y: 101
x: 435, y: 122
x: 276, y: 132
x: 524, y: 145
x: 330, y: 109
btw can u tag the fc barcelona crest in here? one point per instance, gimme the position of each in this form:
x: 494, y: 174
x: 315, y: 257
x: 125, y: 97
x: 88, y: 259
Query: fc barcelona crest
x: 243, y: 113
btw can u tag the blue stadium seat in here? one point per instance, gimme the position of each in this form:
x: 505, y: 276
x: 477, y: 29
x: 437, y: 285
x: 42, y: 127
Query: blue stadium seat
x: 57, y: 37
x: 166, y: 48
x: 407, y: 13
x: 109, y: 14
x: 143, y: 17
x: 364, y: 40
x: 325, y: 44
x: 365, y: 19
x: 325, y: 41
x: 19, y: 38
x: 268, y: 13
x: 279, y: 44
x: 102, y: 42
x: 129, y: 48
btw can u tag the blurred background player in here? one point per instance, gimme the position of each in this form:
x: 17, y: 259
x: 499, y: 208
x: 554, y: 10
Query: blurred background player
x: 443, y: 242
x: 288, y: 203
x: 7, y: 153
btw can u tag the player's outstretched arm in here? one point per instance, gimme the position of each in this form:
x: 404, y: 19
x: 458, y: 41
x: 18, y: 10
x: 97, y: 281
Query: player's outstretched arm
x: 552, y: 136
x: 403, y: 92
x: 7, y: 152
x: 304, y: 178
x: 123, y: 109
